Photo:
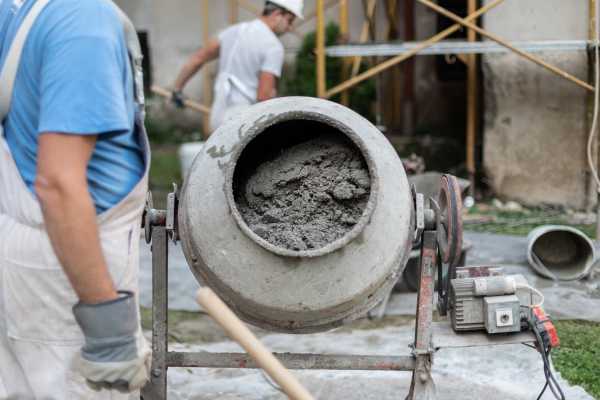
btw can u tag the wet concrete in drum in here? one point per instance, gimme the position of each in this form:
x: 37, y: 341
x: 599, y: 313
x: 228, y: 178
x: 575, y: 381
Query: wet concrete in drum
x: 308, y: 195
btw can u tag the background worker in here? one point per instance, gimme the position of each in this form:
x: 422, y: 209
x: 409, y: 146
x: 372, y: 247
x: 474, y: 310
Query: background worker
x: 73, y: 179
x: 251, y: 57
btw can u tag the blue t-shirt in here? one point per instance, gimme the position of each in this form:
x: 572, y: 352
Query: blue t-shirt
x: 74, y: 77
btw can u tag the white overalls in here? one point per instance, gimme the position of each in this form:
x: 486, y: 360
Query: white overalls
x: 222, y: 107
x: 39, y: 338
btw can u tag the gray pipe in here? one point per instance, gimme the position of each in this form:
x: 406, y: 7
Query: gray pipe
x: 565, y: 252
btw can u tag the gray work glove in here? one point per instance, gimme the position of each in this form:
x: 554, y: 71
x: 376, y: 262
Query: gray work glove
x: 178, y: 99
x: 115, y: 354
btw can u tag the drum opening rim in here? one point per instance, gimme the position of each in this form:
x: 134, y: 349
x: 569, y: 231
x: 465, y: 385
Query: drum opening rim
x: 254, y: 130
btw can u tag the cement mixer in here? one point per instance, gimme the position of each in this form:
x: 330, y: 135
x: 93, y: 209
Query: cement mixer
x: 298, y: 214
x: 314, y: 285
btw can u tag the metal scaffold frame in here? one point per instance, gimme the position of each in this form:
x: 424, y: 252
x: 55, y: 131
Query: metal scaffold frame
x: 467, y: 52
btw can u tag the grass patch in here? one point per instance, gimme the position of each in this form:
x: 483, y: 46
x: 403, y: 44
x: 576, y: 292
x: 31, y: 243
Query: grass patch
x: 486, y: 219
x: 577, y: 357
x: 165, y: 170
x: 166, y: 132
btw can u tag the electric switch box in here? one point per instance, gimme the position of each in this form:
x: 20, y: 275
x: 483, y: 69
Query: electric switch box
x: 501, y: 314
x: 482, y: 298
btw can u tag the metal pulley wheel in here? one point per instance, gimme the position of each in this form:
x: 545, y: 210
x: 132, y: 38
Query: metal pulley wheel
x: 146, y: 223
x: 449, y: 230
x: 449, y: 220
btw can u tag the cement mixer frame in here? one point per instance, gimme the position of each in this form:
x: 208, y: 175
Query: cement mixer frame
x: 429, y: 336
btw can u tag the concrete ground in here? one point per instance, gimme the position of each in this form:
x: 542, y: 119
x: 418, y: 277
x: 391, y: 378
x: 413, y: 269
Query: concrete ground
x: 500, y: 372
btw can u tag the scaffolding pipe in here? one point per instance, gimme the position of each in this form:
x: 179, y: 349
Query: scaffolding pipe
x: 320, y: 49
x: 398, y: 59
x: 477, y: 29
x: 363, y: 35
x: 232, y: 12
x: 345, y: 96
x: 207, y: 86
x: 472, y: 102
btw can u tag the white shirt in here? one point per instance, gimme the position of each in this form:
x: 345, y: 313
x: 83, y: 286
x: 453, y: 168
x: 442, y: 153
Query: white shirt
x: 259, y: 50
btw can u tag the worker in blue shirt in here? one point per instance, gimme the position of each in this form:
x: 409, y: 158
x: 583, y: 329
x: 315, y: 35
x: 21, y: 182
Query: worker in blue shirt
x: 73, y: 179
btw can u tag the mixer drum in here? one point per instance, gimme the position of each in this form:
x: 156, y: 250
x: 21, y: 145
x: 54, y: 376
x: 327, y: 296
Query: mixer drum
x: 296, y: 282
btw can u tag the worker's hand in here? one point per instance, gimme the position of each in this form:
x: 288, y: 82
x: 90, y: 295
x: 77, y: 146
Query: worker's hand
x: 178, y: 99
x: 115, y: 354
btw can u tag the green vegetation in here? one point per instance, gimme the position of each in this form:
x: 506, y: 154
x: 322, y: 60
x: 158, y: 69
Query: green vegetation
x: 165, y: 132
x: 165, y: 170
x: 487, y: 219
x: 303, y: 81
x: 577, y: 357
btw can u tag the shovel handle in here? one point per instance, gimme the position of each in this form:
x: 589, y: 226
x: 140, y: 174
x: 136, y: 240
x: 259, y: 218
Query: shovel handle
x: 219, y: 311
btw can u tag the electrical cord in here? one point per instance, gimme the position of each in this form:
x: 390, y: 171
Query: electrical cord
x: 550, y: 379
x: 550, y: 274
x: 533, y: 290
x: 596, y: 97
x: 274, y: 386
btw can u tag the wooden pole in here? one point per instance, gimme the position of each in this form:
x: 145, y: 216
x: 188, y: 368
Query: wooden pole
x: 409, y: 35
x: 472, y: 102
x: 398, y: 59
x: 477, y: 29
x: 312, y: 14
x: 232, y: 12
x: 207, y: 86
x: 248, y: 6
x: 363, y: 35
x: 191, y: 104
x: 345, y: 96
x: 219, y: 311
x: 320, y: 50
x: 295, y: 32
x: 391, y: 25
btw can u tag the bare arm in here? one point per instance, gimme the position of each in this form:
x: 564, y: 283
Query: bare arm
x: 207, y: 53
x: 70, y: 215
x: 266, y: 86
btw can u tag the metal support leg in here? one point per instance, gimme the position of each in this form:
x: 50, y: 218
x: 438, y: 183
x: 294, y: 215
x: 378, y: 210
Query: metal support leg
x: 156, y: 386
x: 422, y: 386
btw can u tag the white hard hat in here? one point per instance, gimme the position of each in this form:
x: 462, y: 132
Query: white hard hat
x: 295, y: 6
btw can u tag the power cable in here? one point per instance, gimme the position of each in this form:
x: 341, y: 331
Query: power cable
x: 550, y: 274
x: 550, y: 379
x: 533, y: 290
x: 596, y: 95
x: 274, y: 386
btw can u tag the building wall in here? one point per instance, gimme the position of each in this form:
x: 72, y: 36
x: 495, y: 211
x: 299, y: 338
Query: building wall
x: 175, y: 33
x: 535, y: 122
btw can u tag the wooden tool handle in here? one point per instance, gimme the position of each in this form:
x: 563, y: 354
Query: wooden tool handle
x: 191, y: 104
x: 245, y: 338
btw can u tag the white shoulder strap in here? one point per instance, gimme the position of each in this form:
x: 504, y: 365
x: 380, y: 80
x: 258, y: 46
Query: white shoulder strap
x: 243, y: 27
x: 135, y: 52
x: 13, y: 57
x: 234, y: 80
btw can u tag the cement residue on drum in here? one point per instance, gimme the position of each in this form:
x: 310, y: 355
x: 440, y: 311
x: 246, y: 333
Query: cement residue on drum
x: 308, y: 195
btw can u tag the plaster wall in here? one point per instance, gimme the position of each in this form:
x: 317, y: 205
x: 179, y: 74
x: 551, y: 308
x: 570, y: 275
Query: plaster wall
x: 535, y: 122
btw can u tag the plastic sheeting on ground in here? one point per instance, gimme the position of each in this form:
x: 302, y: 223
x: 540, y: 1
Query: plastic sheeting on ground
x: 563, y: 300
x: 512, y: 372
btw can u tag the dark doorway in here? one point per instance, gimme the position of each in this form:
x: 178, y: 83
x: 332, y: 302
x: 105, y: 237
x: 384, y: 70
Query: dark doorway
x: 451, y: 68
x: 143, y: 38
